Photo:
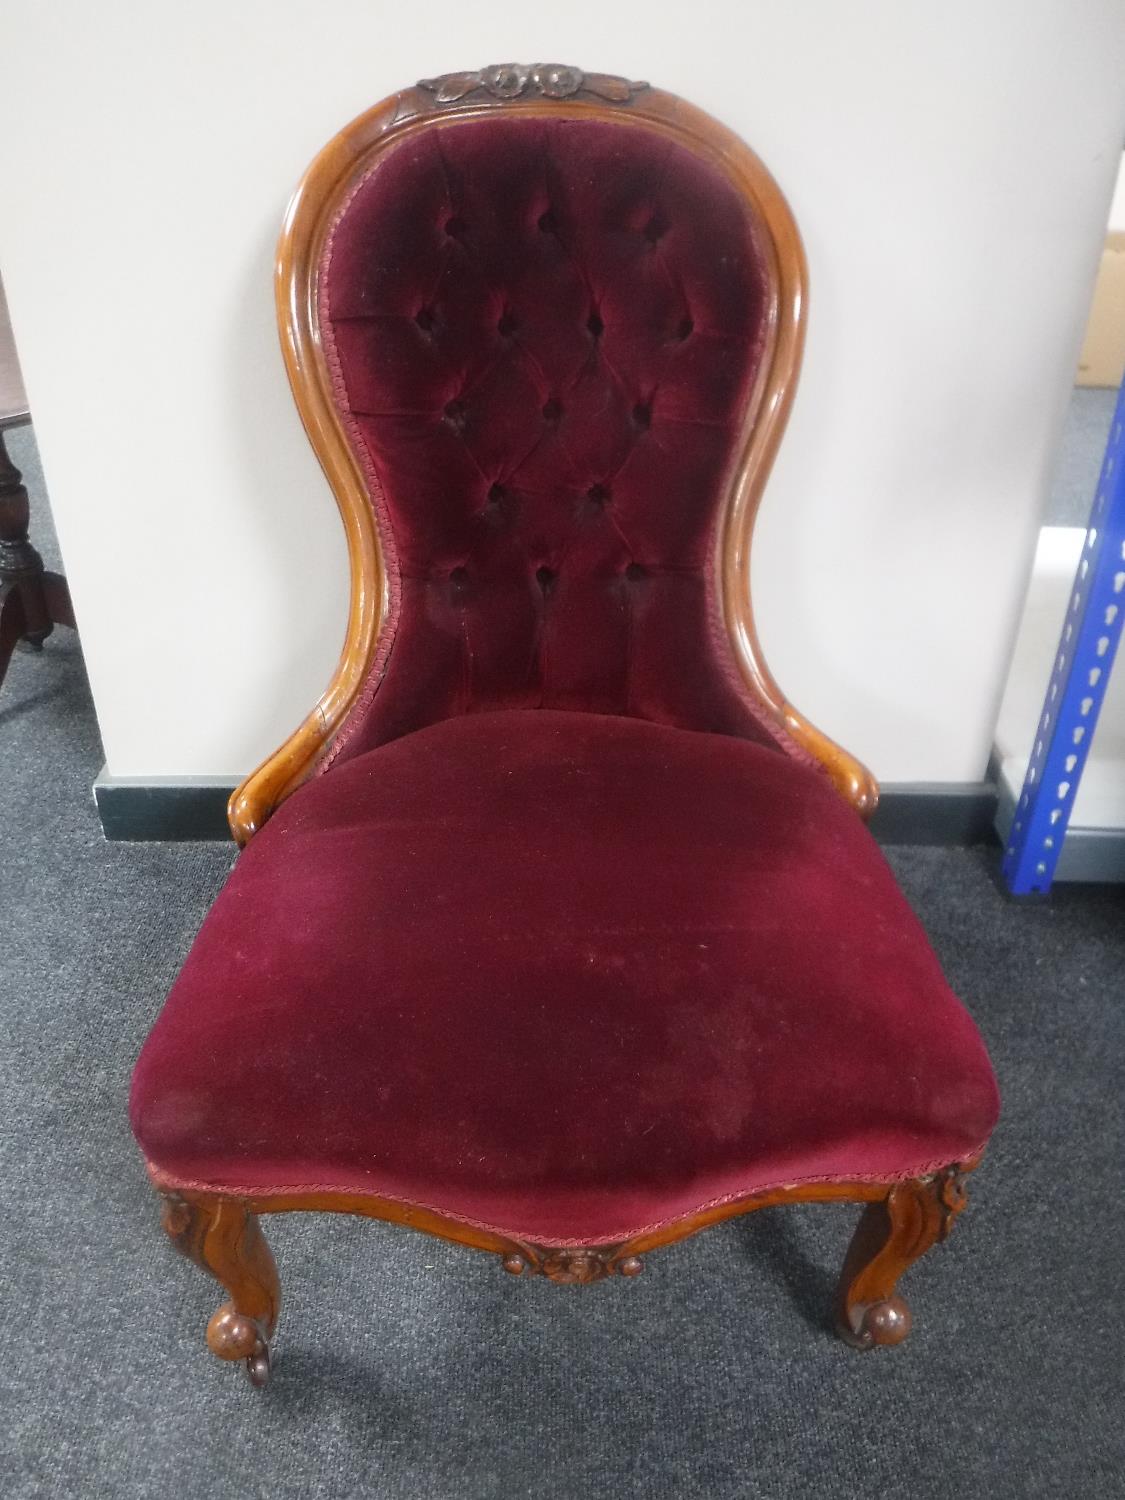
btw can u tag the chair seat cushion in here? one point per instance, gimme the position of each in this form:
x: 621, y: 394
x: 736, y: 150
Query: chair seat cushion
x: 563, y: 975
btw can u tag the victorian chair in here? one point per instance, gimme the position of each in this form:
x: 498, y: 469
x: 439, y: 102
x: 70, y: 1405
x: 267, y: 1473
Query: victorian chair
x: 559, y: 932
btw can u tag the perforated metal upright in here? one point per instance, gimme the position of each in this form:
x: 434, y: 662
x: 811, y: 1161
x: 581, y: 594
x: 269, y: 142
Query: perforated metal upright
x: 1075, y: 693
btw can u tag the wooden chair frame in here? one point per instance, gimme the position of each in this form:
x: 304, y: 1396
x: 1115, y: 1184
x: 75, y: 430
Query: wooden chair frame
x: 901, y: 1219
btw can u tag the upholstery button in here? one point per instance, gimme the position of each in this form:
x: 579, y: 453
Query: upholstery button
x: 642, y: 414
x: 595, y: 325
x: 494, y: 513
x: 425, y: 319
x: 552, y: 410
x: 547, y: 223
x: 455, y: 227
x: 655, y: 229
x: 507, y: 324
x: 458, y: 577
x: 599, y: 494
x: 545, y: 578
x: 634, y: 571
x: 455, y: 414
x: 685, y: 328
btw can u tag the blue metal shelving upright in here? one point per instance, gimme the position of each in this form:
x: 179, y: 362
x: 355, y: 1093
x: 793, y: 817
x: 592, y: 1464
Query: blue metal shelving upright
x: 1075, y: 693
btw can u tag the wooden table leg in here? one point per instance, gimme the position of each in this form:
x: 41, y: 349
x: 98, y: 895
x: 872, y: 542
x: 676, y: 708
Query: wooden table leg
x: 11, y: 624
x: 57, y: 594
x: 32, y: 601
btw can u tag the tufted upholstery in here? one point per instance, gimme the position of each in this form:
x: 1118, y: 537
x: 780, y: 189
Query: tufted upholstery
x: 544, y: 335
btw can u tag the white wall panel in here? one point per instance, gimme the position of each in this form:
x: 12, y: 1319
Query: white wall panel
x: 951, y: 167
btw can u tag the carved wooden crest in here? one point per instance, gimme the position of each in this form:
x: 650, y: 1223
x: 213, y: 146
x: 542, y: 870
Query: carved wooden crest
x: 517, y: 80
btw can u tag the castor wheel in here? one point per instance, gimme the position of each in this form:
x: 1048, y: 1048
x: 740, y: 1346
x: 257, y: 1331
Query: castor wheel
x: 258, y: 1366
x: 233, y: 1336
x: 881, y: 1323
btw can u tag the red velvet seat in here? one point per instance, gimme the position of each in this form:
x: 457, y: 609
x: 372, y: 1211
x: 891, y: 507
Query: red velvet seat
x: 565, y: 975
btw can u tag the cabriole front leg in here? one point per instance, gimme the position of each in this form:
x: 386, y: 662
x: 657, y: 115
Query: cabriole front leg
x: 224, y: 1237
x: 891, y: 1235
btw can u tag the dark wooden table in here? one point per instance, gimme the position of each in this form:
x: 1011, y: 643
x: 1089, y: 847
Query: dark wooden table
x: 32, y: 600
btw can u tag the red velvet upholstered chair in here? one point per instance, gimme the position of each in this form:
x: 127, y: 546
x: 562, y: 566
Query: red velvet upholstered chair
x: 559, y: 932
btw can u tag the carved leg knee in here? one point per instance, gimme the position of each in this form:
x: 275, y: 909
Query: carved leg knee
x: 892, y: 1233
x: 220, y: 1235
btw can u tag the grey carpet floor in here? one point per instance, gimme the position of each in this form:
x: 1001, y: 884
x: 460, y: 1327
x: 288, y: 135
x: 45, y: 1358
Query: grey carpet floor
x: 407, y: 1368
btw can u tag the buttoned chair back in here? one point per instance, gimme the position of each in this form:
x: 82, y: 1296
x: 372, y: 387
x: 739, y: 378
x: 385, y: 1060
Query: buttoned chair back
x: 544, y: 329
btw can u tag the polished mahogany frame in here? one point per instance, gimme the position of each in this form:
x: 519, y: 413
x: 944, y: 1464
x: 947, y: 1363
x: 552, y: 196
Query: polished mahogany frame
x: 902, y: 1219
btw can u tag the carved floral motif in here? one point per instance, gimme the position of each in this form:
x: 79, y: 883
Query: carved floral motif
x: 576, y: 1265
x: 513, y: 80
x: 952, y: 1196
x: 175, y: 1217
